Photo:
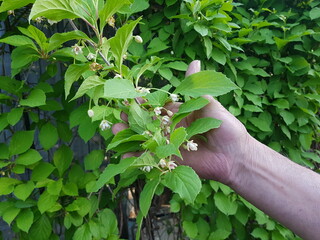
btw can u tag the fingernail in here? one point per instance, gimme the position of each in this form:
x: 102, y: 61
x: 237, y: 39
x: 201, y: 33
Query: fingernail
x: 194, y: 67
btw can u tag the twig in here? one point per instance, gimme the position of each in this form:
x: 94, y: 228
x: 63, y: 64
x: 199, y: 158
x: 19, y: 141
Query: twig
x: 91, y: 44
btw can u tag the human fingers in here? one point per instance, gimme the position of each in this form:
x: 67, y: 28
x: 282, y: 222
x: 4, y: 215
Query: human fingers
x: 194, y: 67
x: 119, y: 127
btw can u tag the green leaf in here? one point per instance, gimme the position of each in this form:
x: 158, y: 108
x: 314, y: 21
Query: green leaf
x: 112, y: 170
x: 7, y: 185
x: 219, y: 56
x: 54, y: 187
x: 23, y: 191
x: 281, y: 103
x: 203, y: 30
x: 120, y: 42
x: 36, y: 35
x: 190, y: 228
x: 59, y: 38
x: 72, y: 74
x: 88, y: 84
x: 314, y: 13
x: 109, y: 9
x: 22, y: 57
x: 202, y: 125
x: 178, y: 65
x: 164, y: 151
x: 20, y: 142
x: 14, y: 116
x: 138, y: 118
x: 28, y: 158
x: 70, y: 189
x: 41, y: 229
x: 81, y: 205
x: 42, y: 171
x: 192, y: 105
x: 205, y: 83
x: 56, y: 10
x: 10, y: 214
x: 18, y: 40
x: 126, y: 135
x: 93, y: 160
x: 120, y: 88
x: 4, y: 151
x: 178, y: 136
x: 108, y: 223
x: 288, y: 117
x: 46, y: 201
x: 82, y: 233
x: 14, y: 4
x: 184, y: 181
x: 147, y: 194
x: 48, y: 136
x: 62, y: 159
x: 260, y: 233
x: 25, y: 220
x: 36, y: 98
x: 260, y: 123
x: 224, y: 204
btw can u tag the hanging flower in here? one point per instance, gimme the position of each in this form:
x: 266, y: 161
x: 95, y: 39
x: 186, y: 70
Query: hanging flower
x: 165, y: 120
x: 192, y: 146
x: 162, y: 163
x: 39, y: 19
x: 91, y: 56
x: 111, y: 21
x: 77, y: 49
x: 146, y: 168
x: 143, y: 90
x: 157, y: 110
x: 138, y: 39
x: 90, y: 113
x: 104, y: 125
x: 172, y: 165
x: 174, y: 97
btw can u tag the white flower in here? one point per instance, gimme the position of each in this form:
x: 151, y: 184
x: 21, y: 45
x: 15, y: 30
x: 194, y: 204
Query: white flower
x: 170, y: 114
x: 90, y: 113
x: 111, y: 21
x: 168, y: 130
x: 191, y: 146
x: 77, y: 49
x: 165, y: 120
x: 104, y: 125
x: 162, y: 163
x: 143, y: 90
x: 172, y: 165
x: 117, y: 76
x: 51, y: 22
x: 138, y: 39
x: 174, y: 97
x: 125, y: 56
x: 10, y: 12
x: 39, y: 19
x: 91, y: 56
x: 147, y: 133
x: 157, y: 110
x: 146, y: 168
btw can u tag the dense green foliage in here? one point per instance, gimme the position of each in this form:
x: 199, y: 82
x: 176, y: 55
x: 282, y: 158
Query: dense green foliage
x: 269, y: 49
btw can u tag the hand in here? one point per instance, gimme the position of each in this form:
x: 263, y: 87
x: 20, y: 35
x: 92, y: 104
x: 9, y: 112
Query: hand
x: 216, y: 158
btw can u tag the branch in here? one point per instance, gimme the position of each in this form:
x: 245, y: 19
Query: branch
x: 90, y: 43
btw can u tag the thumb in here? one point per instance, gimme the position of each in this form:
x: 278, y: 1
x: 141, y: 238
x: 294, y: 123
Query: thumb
x: 194, y: 67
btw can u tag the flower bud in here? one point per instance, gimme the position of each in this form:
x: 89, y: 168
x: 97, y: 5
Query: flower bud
x: 138, y: 39
x: 90, y: 113
x: 174, y: 97
x: 170, y: 114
